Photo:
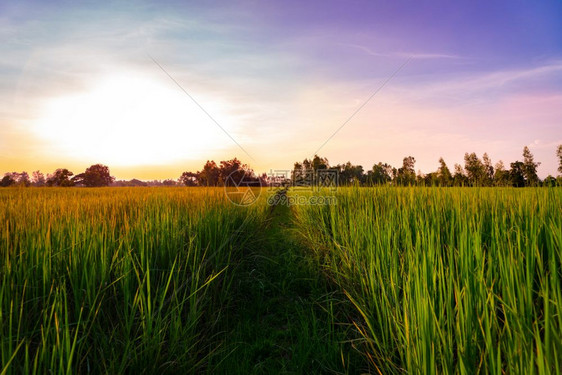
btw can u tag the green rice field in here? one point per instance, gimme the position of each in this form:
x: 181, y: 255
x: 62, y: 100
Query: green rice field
x: 387, y: 280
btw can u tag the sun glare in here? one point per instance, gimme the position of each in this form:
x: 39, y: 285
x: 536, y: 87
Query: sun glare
x: 126, y: 120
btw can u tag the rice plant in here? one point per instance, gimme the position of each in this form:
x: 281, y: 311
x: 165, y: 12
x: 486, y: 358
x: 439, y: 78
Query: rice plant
x: 445, y: 280
x: 115, y: 280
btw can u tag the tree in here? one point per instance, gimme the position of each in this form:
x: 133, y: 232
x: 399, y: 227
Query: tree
x: 298, y: 173
x: 131, y: 183
x: 306, y: 165
x: 432, y: 179
x: 474, y: 169
x: 233, y: 169
x: 234, y: 172
x: 169, y: 182
x: 381, y: 174
x: 407, y: 174
x: 459, y: 179
x: 444, y: 174
x: 488, y: 170
x: 96, y: 175
x: 408, y: 164
x: 306, y: 173
x: 38, y: 178
x: 319, y: 163
x: 349, y: 173
x: 15, y: 178
x: 7, y: 180
x: 188, y: 179
x: 517, y: 174
x: 22, y: 179
x: 421, y: 178
x: 61, y: 177
x: 501, y: 176
x: 210, y: 174
x: 264, y: 180
x: 530, y: 168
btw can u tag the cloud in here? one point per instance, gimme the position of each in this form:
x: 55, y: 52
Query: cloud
x: 405, y: 55
x: 499, y: 78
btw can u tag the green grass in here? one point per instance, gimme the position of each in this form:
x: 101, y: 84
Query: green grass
x: 448, y: 280
x: 179, y: 280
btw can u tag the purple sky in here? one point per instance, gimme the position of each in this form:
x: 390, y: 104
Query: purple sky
x: 77, y: 85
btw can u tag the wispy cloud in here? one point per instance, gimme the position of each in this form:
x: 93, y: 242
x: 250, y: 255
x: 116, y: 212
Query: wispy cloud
x: 413, y: 55
x: 487, y: 85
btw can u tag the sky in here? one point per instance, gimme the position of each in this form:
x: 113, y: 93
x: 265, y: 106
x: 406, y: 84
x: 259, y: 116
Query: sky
x: 152, y: 89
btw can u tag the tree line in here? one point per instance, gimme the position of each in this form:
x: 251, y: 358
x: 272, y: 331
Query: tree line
x: 475, y: 172
x: 227, y: 172
x: 96, y: 175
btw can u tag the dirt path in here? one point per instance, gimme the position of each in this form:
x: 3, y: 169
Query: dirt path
x: 283, y: 312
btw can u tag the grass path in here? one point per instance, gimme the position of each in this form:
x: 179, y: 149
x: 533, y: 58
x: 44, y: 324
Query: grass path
x: 281, y: 320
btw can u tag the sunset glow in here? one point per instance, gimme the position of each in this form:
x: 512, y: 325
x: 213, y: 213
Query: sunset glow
x: 125, y: 120
x: 80, y: 86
